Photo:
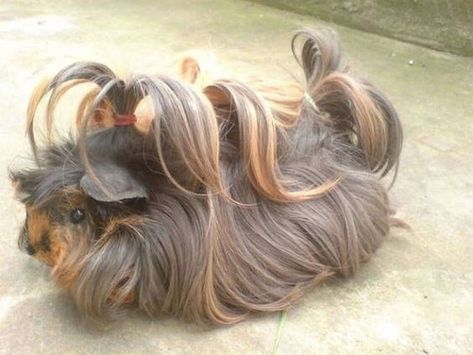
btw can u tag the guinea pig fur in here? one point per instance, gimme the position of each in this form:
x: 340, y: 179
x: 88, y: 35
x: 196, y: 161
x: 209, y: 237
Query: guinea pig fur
x: 234, y: 198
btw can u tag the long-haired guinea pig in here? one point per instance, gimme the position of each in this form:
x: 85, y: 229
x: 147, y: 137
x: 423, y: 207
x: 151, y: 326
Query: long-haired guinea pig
x: 233, y: 199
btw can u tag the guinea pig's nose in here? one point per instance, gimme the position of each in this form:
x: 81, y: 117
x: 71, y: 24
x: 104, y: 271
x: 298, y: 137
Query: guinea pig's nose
x: 30, y: 250
x: 24, y: 243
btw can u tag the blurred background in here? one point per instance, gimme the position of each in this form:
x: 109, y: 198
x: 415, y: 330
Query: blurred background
x: 414, y: 297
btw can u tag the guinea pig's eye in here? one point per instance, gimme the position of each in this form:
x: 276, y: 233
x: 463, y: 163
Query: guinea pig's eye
x: 77, y: 215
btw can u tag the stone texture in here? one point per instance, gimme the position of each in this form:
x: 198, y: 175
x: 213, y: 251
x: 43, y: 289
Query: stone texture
x: 445, y: 25
x: 414, y: 297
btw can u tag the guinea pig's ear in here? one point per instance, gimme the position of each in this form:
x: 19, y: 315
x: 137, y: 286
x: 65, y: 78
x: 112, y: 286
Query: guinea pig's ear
x: 24, y: 183
x: 115, y: 183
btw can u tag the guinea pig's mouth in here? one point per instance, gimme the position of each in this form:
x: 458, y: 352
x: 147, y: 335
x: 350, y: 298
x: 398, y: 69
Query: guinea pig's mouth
x: 40, y: 251
x: 30, y: 250
x: 24, y: 242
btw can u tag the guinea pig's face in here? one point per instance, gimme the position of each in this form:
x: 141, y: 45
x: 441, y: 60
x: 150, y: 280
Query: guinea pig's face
x: 86, y: 223
x: 51, y: 229
x: 73, y: 216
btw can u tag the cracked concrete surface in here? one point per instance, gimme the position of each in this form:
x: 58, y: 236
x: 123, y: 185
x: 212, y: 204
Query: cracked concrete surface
x: 416, y: 294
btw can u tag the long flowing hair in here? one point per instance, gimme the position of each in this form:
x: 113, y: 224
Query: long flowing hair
x: 265, y: 189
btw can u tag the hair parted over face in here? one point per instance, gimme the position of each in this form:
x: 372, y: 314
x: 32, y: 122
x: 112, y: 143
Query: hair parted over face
x: 229, y: 198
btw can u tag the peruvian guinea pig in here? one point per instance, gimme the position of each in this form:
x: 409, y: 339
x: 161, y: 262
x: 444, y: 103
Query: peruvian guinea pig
x: 230, y: 199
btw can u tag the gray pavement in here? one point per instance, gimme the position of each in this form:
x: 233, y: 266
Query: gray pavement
x: 416, y: 294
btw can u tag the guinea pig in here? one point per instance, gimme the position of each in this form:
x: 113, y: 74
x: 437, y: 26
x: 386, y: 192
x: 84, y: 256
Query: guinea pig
x: 234, y: 199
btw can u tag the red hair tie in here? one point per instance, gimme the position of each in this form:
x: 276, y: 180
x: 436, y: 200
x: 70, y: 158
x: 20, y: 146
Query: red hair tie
x: 124, y: 120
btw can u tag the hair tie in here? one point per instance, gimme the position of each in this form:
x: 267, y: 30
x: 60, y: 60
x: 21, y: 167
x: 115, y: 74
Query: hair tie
x: 124, y: 120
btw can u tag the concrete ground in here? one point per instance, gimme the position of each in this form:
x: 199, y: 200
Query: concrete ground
x: 416, y: 294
